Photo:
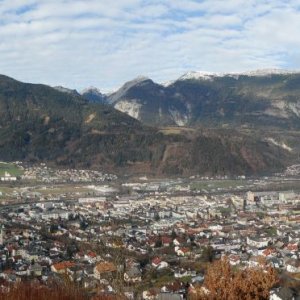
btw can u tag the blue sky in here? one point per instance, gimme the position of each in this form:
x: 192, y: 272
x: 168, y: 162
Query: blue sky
x: 105, y: 43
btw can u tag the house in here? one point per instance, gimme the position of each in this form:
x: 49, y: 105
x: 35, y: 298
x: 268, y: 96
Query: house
x: 91, y: 256
x: 133, y: 275
x: 293, y: 266
x: 268, y: 252
x: 293, y: 247
x: 257, y: 242
x: 129, y: 293
x: 62, y: 267
x: 162, y: 265
x: 282, y: 294
x: 275, y: 262
x: 22, y: 270
x: 75, y: 273
x: 156, y: 262
x: 175, y: 287
x: 169, y: 296
x: 35, y: 270
x: 150, y: 294
x: 178, y: 241
x: 234, y: 259
x: 89, y: 271
x: 8, y: 177
x: 131, y: 262
x: 182, y: 251
x: 166, y: 241
x: 104, y: 269
x: 184, y: 273
x: 55, y: 214
x: 152, y: 241
x: 198, y: 279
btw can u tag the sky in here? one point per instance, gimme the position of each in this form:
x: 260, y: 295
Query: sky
x: 104, y: 43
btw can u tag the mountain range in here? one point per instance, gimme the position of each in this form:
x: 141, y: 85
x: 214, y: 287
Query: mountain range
x: 133, y: 129
x: 252, y: 99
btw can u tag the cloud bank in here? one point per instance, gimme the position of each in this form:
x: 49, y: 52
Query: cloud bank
x: 78, y: 43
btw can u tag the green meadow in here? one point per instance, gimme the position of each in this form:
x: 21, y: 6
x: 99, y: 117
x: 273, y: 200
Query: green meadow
x: 11, y: 168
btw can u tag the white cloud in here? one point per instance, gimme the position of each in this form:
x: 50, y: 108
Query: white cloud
x: 80, y: 43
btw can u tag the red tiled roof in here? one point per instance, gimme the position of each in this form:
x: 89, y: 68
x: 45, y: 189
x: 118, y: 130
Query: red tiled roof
x: 92, y: 254
x: 166, y: 240
x: 268, y: 251
x: 292, y: 247
x: 63, y: 265
x: 105, y: 267
x: 185, y: 250
x: 156, y: 261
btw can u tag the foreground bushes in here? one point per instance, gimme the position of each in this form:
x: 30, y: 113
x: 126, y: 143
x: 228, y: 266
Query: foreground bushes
x: 223, y: 282
x: 29, y: 291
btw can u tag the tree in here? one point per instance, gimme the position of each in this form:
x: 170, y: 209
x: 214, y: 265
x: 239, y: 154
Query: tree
x: 173, y: 234
x: 222, y: 282
x: 156, y: 217
x: 83, y: 225
x: 71, y: 249
x: 158, y: 243
x: 53, y: 228
x: 207, y: 254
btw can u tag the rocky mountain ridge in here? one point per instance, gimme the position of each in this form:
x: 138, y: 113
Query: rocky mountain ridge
x: 43, y: 124
x: 267, y: 97
x: 260, y: 98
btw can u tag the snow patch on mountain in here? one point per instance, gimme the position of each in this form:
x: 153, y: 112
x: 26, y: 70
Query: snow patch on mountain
x: 280, y: 144
x: 267, y: 72
x: 200, y: 75
x: 203, y: 75
x: 91, y: 89
x: 295, y: 108
x: 66, y: 90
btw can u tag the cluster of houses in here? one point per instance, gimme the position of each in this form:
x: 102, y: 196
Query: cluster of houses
x: 43, y: 173
x: 152, y: 246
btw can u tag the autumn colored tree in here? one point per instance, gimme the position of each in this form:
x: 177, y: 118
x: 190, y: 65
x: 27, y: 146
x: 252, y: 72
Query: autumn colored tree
x: 35, y: 291
x: 223, y: 282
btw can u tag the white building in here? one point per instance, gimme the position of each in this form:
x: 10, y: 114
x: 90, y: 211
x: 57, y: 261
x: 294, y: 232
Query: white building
x: 7, y: 177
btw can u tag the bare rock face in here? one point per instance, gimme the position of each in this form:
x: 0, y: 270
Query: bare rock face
x: 268, y: 98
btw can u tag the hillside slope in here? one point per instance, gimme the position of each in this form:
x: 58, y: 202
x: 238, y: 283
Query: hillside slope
x: 40, y: 123
x: 255, y: 99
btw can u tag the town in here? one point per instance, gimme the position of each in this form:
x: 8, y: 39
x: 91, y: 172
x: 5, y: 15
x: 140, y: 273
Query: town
x: 145, y: 238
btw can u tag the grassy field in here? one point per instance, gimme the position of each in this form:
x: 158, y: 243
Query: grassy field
x: 176, y: 130
x: 12, y: 169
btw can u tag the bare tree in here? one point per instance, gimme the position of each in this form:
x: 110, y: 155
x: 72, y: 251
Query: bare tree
x: 222, y: 282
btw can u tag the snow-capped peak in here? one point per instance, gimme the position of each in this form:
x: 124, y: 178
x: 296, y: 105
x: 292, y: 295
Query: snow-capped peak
x: 266, y: 72
x: 91, y: 89
x: 135, y: 81
x: 200, y: 75
x: 66, y: 90
x: 193, y: 75
x: 210, y: 75
x: 141, y: 78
